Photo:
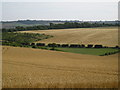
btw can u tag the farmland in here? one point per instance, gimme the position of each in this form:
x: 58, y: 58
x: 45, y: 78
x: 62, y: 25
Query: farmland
x: 90, y: 51
x: 107, y: 36
x: 57, y: 44
x: 27, y: 67
x: 66, y: 68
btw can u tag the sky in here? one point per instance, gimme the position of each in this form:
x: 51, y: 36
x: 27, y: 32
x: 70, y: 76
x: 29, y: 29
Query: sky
x: 60, y: 0
x: 69, y: 10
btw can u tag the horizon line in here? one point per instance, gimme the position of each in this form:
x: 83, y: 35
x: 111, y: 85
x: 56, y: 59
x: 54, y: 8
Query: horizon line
x: 53, y: 20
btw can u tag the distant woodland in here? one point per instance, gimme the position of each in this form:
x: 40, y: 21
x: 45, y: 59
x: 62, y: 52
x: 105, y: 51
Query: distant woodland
x: 65, y: 25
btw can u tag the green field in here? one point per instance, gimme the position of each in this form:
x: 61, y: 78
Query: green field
x: 90, y: 51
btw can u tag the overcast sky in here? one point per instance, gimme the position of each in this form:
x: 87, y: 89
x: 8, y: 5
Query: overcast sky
x: 60, y: 10
x: 60, y: 0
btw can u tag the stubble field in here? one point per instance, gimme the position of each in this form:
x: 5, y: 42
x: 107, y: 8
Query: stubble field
x: 36, y: 68
x: 27, y: 67
x: 107, y: 36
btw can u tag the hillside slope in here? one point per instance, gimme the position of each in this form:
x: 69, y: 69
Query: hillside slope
x: 106, y: 36
x: 27, y: 67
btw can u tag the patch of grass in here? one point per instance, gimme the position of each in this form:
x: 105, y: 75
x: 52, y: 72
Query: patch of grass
x: 90, y: 51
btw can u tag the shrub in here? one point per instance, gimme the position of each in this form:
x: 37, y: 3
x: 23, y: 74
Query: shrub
x: 74, y: 46
x: 98, y: 46
x: 40, y: 44
x: 34, y: 46
x: 116, y: 46
x: 82, y: 46
x: 89, y: 46
x: 64, y: 45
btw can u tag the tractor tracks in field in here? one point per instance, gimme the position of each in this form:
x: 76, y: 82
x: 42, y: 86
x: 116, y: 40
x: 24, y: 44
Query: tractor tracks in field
x: 62, y: 68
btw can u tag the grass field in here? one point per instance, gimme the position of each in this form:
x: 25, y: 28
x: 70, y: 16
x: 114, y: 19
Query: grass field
x: 90, y: 51
x: 107, y: 36
x: 36, y: 68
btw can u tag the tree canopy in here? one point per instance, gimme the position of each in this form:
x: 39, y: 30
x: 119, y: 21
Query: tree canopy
x: 58, y: 26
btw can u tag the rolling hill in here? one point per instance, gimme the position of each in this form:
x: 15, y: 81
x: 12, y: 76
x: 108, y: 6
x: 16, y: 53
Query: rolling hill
x: 107, y: 36
x: 26, y: 67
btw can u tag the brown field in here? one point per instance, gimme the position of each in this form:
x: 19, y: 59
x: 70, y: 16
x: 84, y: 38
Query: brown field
x: 27, y: 67
x: 106, y: 36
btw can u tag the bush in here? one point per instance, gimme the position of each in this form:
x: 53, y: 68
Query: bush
x: 64, y: 45
x: 89, y: 46
x: 74, y: 46
x: 34, y: 46
x: 82, y: 46
x: 98, y: 46
x: 106, y: 54
x: 40, y: 44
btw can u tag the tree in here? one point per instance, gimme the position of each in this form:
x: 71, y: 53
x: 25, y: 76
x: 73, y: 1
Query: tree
x: 89, y: 46
x: 53, y: 46
x: 98, y: 46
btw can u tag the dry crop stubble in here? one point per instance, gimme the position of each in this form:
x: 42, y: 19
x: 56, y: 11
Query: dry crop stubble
x: 106, y: 36
x: 27, y: 67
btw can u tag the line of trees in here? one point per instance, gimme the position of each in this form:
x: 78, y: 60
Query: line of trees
x: 58, y: 26
x: 53, y: 45
x: 27, y: 39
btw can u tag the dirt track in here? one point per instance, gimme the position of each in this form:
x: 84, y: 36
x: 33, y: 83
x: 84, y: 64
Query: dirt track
x: 106, y: 36
x: 26, y: 67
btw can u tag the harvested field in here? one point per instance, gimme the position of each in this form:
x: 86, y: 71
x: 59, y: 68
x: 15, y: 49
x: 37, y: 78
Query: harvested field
x: 27, y: 67
x: 107, y: 36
